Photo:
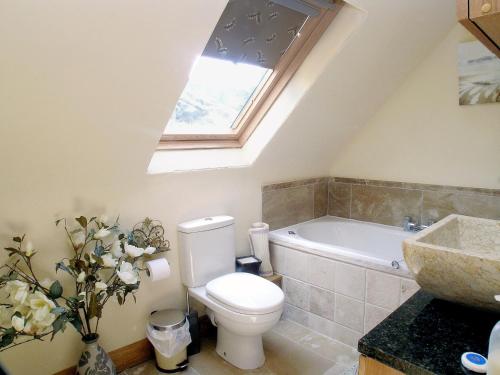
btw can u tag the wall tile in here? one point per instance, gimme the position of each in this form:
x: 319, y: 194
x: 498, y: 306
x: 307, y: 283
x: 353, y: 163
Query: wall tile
x: 321, y: 272
x: 284, y: 207
x: 296, y: 264
x: 296, y: 293
x: 339, y: 199
x: 321, y: 302
x: 295, y: 314
x: 385, y: 202
x: 382, y: 289
x: 350, y: 280
x: 373, y: 316
x: 278, y: 257
x: 384, y: 205
x: 439, y: 204
x: 349, y: 312
x: 408, y: 289
x: 320, y: 199
x: 321, y: 325
x: 346, y: 335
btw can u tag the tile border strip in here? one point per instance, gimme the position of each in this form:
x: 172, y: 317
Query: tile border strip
x: 414, y: 186
x: 295, y: 183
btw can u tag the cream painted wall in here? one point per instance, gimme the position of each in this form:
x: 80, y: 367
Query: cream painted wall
x: 86, y: 89
x: 421, y: 134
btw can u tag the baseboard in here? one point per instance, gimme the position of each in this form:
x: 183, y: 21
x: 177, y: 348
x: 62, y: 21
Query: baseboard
x: 125, y: 357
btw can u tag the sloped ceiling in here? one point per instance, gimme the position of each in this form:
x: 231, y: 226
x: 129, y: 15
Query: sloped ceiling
x: 86, y: 77
x: 361, y: 58
x: 393, y: 40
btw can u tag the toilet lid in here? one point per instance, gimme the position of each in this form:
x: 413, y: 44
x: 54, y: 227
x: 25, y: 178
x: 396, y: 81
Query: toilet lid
x: 246, y: 293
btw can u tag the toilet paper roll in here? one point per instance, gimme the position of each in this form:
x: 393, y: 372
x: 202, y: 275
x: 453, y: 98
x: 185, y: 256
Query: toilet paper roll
x: 158, y: 269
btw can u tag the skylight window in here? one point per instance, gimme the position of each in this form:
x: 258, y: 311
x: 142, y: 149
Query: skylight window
x: 216, y: 93
x: 253, y: 52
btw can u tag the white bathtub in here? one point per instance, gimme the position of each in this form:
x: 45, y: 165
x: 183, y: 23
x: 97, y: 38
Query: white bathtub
x: 338, y: 274
x: 370, y: 245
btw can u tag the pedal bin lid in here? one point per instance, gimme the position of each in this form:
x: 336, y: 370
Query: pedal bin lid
x: 169, y: 319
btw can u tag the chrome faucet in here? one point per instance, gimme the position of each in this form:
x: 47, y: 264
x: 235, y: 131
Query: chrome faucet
x: 411, y: 226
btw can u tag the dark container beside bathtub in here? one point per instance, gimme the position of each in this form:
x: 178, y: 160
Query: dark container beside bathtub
x: 248, y: 264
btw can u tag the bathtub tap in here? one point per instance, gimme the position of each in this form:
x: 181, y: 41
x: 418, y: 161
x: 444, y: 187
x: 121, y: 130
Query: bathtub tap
x: 410, y: 226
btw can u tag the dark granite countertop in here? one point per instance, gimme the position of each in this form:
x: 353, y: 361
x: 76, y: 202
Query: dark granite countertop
x: 426, y: 335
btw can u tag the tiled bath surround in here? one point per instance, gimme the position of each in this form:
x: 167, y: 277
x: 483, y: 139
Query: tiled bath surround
x: 340, y: 300
x: 294, y: 202
x: 387, y: 202
x: 383, y: 202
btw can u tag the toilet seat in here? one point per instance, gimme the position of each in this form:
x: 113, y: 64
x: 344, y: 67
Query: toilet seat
x: 246, y: 293
x: 239, y: 334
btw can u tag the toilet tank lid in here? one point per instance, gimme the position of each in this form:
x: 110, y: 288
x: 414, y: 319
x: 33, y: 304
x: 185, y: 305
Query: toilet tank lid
x: 205, y: 223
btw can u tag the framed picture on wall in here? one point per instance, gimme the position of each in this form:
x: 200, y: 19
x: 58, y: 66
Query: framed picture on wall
x: 478, y: 74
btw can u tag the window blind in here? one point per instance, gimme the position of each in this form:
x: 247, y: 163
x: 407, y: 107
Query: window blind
x: 255, y: 32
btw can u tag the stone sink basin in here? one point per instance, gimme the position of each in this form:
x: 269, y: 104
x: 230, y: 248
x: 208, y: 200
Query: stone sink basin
x: 458, y: 259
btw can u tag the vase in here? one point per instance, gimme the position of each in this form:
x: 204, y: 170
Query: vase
x: 94, y: 359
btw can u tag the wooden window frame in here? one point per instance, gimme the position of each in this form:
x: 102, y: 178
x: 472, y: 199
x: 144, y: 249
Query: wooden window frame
x: 261, y: 102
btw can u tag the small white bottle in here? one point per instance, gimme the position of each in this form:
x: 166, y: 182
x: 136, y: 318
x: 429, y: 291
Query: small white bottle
x: 494, y: 351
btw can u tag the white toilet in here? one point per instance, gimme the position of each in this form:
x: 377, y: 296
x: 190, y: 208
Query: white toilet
x: 242, y: 306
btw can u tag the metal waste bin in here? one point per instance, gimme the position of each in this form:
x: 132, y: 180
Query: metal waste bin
x: 169, y: 320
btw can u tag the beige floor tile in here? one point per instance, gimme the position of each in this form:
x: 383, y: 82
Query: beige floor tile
x: 335, y: 351
x: 147, y: 368
x: 290, y: 349
x: 287, y: 357
x: 291, y: 330
x: 341, y: 370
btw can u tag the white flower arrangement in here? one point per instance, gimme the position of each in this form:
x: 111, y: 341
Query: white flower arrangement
x: 105, y: 263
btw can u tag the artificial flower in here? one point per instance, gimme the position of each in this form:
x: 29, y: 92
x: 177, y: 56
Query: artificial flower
x: 81, y: 277
x: 36, y: 327
x: 127, y: 274
x: 17, y: 323
x: 29, y: 249
x: 30, y: 328
x: 24, y: 310
x: 108, y: 261
x: 99, y: 285
x: 133, y: 251
x: 102, y: 233
x: 78, y: 238
x: 40, y: 306
x: 116, y: 249
x: 18, y: 291
x: 149, y: 250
